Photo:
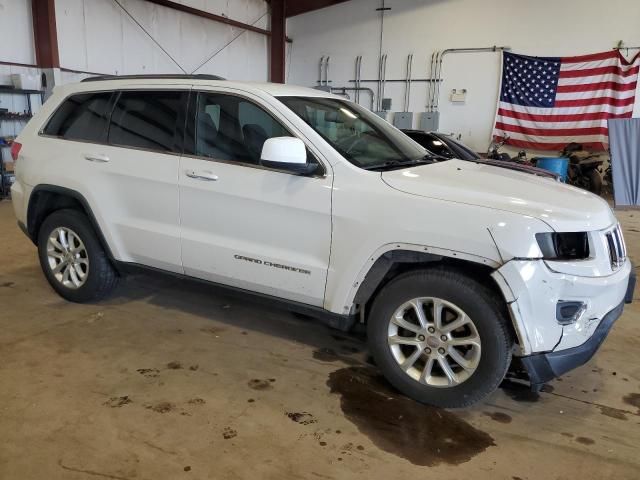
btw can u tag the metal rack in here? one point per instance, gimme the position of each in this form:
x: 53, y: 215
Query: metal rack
x: 5, y: 175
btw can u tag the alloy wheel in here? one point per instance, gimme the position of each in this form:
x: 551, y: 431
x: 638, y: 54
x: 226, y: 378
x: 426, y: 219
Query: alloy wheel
x: 67, y: 257
x: 434, y: 342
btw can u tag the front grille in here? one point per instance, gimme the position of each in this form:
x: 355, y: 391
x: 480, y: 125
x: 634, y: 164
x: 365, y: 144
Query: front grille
x: 616, y: 246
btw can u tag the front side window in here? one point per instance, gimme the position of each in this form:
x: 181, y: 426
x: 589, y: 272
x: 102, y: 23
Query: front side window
x: 146, y: 119
x: 232, y: 128
x: 81, y: 117
x: 358, y: 135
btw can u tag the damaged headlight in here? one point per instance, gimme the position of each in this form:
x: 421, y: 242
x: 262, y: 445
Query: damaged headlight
x: 564, y: 246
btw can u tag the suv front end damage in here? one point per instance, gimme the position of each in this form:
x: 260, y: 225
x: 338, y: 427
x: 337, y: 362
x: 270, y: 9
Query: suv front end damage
x: 563, y: 310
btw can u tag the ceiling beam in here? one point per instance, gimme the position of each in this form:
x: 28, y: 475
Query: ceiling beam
x: 303, y: 6
x: 211, y: 16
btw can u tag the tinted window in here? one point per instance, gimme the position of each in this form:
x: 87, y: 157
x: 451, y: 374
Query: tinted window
x: 146, y: 120
x: 461, y: 150
x: 431, y: 143
x: 81, y: 117
x: 231, y: 128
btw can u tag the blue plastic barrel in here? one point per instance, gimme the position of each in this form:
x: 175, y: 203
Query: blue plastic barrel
x: 558, y: 165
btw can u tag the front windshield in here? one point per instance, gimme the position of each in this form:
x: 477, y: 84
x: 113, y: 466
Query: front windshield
x: 357, y: 134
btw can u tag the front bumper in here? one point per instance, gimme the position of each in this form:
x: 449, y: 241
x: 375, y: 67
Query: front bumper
x: 543, y: 367
x: 532, y: 292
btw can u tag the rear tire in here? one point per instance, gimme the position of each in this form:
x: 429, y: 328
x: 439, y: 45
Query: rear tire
x: 445, y: 383
x: 72, y: 258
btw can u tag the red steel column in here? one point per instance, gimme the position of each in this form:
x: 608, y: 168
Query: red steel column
x: 45, y: 34
x: 278, y: 41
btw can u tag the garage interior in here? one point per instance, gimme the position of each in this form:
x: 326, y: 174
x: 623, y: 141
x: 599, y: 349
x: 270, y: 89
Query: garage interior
x: 179, y: 379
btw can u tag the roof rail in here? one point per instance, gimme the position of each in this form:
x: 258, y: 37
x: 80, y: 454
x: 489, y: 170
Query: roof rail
x: 172, y: 76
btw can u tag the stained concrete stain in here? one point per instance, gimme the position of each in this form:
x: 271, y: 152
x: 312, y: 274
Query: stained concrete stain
x: 633, y: 399
x: 229, y: 433
x: 197, y: 401
x: 585, y: 440
x: 499, y: 417
x: 330, y: 355
x: 303, y: 418
x: 212, y: 330
x: 423, y: 435
x: 613, y: 412
x: 162, y: 407
x: 117, y: 402
x: 148, y: 372
x: 174, y: 365
x: 258, y: 384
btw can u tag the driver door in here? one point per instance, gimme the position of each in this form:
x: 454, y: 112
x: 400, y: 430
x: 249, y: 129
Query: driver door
x: 242, y: 224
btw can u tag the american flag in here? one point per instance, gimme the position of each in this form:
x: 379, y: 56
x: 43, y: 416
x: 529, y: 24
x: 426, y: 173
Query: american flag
x: 547, y: 102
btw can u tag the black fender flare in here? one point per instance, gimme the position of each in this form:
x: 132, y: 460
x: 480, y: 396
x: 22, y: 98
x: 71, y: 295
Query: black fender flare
x: 32, y: 225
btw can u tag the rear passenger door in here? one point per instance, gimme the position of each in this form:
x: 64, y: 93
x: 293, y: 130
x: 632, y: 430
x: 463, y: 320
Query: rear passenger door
x: 139, y: 178
x: 124, y: 151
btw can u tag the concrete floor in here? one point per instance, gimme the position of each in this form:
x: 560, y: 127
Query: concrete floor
x: 173, y: 379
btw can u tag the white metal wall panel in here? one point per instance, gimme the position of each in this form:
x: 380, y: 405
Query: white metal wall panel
x: 545, y: 28
x: 16, y: 32
x: 97, y: 36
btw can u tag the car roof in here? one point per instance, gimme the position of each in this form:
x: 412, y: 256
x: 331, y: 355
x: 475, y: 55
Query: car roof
x: 274, y: 89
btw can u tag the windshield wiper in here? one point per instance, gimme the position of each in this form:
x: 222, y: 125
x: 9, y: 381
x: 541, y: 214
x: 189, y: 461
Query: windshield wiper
x: 393, y: 164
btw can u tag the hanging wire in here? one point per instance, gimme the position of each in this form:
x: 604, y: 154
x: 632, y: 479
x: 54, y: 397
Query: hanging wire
x: 149, y: 35
x: 226, y: 45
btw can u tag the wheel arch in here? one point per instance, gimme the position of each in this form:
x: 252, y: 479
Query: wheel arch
x: 46, y: 199
x: 398, y: 258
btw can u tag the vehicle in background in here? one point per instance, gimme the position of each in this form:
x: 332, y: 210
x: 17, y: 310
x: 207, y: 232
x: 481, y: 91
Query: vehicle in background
x: 447, y: 148
x: 308, y: 200
x: 442, y: 145
x: 494, y: 153
x: 584, y: 168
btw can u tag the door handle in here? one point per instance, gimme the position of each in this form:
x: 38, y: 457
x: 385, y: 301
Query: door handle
x: 206, y: 176
x: 98, y: 158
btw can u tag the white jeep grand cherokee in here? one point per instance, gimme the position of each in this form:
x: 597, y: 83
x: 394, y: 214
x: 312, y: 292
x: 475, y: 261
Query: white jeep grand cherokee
x: 307, y: 198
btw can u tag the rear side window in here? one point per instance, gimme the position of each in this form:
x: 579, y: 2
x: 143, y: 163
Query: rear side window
x: 81, y: 117
x: 146, y: 119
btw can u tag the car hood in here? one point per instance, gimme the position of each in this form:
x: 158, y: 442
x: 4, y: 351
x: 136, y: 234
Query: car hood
x: 562, y: 207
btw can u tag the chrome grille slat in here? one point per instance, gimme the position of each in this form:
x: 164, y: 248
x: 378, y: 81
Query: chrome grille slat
x: 616, y: 246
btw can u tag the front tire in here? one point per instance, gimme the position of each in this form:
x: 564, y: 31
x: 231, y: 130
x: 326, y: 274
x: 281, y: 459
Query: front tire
x: 440, y: 337
x: 72, y: 258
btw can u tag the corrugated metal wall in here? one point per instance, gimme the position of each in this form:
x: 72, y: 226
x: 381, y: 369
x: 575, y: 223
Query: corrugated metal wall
x: 98, y: 36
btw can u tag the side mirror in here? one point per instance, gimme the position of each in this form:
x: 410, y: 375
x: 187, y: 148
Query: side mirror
x: 286, y: 153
